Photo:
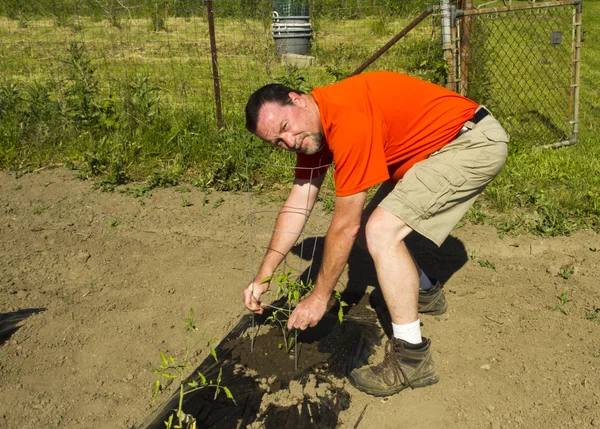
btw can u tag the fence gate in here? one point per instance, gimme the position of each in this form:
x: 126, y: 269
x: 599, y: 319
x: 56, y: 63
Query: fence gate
x: 522, y: 61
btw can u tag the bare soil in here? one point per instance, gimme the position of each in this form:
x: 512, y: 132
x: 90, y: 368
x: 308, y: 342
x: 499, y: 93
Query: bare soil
x: 109, y: 278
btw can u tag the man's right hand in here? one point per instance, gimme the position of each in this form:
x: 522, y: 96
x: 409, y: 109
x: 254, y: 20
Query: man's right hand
x: 252, y: 296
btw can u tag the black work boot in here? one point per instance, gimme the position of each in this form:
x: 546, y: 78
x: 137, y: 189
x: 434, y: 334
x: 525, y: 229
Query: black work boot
x: 433, y: 301
x: 404, y: 365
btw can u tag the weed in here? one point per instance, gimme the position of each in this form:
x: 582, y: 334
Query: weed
x: 294, y: 79
x: 218, y: 203
x: 171, y: 369
x: 17, y: 188
x: 563, y: 299
x: 593, y: 315
x: 566, y: 271
x: 487, y: 264
x: 113, y: 223
x: 81, y: 92
x: 476, y: 216
x: 593, y: 249
x: 39, y: 209
x: 185, y: 203
x: 473, y: 255
x: 141, y: 100
x: 47, y: 184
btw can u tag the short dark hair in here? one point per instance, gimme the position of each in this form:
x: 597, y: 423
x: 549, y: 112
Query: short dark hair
x: 273, y: 92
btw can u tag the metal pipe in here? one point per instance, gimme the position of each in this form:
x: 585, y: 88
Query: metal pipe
x: 393, y: 41
x: 215, y: 64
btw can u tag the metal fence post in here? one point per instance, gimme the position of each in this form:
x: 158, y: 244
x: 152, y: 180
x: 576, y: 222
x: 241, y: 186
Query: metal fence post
x: 576, y: 72
x: 215, y: 64
x: 465, y: 49
x: 447, y: 41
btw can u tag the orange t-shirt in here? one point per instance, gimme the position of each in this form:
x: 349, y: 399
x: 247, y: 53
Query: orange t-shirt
x: 377, y: 125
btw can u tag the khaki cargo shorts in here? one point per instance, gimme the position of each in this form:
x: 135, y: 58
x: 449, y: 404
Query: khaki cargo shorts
x: 435, y: 193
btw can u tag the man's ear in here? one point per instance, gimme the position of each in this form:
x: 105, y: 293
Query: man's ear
x: 296, y: 99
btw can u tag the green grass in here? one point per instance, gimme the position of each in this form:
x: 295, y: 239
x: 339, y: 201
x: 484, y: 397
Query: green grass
x: 124, y: 103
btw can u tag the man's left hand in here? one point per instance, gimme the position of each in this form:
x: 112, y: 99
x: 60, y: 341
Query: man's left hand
x: 308, y: 313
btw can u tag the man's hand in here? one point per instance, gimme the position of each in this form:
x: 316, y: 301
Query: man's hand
x: 308, y: 313
x: 252, y: 296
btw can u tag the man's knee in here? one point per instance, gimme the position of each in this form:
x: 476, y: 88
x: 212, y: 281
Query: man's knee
x: 383, y: 230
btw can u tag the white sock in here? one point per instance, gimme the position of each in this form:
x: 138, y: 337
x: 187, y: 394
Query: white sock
x: 424, y: 282
x: 411, y: 332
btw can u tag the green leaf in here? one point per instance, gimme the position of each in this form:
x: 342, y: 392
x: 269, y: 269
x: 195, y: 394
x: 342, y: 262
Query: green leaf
x: 164, y: 359
x: 266, y: 280
x: 169, y: 422
x: 213, y: 352
x: 228, y: 394
x: 202, y: 377
x: 156, y: 390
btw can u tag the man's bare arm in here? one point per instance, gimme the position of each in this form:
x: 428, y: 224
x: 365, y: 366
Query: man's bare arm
x: 290, y: 222
x: 338, y: 244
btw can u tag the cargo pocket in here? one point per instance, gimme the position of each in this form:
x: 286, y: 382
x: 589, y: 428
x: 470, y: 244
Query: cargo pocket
x: 496, y: 134
x: 438, y: 185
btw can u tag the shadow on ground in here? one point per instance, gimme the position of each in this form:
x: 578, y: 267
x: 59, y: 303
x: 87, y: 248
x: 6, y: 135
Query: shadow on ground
x: 11, y: 322
x: 439, y: 263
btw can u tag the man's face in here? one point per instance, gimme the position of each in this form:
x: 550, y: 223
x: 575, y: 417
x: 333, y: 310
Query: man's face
x: 295, y: 127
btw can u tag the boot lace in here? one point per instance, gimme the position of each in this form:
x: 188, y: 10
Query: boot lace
x: 391, y: 360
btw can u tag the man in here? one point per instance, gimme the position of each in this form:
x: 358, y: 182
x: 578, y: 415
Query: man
x: 433, y: 152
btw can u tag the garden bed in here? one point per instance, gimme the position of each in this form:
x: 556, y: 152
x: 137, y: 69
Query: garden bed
x: 268, y: 390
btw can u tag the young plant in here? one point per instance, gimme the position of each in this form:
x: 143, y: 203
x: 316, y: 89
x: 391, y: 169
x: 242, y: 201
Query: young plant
x: 566, y: 271
x: 563, y: 298
x: 487, y: 264
x: 293, y: 290
x: 171, y: 369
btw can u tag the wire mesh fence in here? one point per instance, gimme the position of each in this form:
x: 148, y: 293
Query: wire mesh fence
x: 163, y: 46
x: 519, y: 63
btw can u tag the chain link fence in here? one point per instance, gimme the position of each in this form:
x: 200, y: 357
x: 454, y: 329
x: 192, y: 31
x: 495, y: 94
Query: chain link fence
x: 521, y: 60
